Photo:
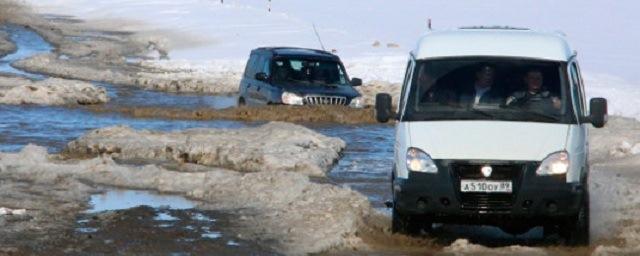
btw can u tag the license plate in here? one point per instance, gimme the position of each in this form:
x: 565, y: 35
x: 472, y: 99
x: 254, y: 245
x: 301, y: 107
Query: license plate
x: 470, y: 186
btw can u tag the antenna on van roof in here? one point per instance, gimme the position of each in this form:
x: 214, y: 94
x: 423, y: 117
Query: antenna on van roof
x: 318, y: 36
x: 429, y: 23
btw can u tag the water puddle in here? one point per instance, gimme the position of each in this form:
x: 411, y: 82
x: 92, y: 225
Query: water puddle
x: 28, y: 43
x: 158, y: 223
x: 129, y: 96
x: 54, y: 127
x: 126, y: 199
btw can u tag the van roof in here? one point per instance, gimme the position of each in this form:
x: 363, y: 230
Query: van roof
x: 298, y: 52
x: 493, y: 42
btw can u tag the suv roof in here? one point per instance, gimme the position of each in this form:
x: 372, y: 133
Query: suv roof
x: 298, y: 52
x: 493, y: 42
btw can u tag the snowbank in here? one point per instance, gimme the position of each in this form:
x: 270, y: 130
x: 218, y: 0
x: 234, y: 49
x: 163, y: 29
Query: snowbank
x: 464, y: 247
x: 618, y: 139
x: 283, y: 207
x: 52, y: 91
x: 271, y: 147
x: 6, y: 46
x: 132, y: 75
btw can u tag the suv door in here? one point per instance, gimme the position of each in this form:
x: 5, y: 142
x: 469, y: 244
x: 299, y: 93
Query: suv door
x: 259, y: 90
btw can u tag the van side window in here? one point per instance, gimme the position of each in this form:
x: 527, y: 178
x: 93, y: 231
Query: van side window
x: 576, y: 89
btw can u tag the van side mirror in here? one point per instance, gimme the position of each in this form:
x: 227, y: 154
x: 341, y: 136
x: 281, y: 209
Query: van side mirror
x: 356, y: 82
x: 262, y: 77
x: 383, y: 108
x: 598, y: 108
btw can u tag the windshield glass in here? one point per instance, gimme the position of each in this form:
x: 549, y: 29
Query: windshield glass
x: 489, y: 89
x: 308, y: 72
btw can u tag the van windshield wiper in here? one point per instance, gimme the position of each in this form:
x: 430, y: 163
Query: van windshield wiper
x: 481, y: 111
x: 547, y: 117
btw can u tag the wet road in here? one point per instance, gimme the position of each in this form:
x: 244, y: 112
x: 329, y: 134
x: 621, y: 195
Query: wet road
x: 365, y: 165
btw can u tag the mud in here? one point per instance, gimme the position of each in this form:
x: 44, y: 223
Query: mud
x: 52, y: 91
x: 282, y: 209
x: 293, y: 114
x: 271, y: 147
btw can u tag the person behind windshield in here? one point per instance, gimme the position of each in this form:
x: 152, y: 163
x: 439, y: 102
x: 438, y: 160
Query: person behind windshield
x: 483, y: 90
x: 535, y: 97
x: 432, y: 94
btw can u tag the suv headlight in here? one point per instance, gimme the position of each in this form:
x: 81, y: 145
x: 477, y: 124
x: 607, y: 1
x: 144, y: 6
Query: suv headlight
x: 357, y: 102
x: 555, y: 164
x: 419, y: 161
x: 290, y: 98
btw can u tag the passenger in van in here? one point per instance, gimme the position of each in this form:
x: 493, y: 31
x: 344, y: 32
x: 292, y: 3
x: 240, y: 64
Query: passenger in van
x: 431, y: 93
x: 483, y: 91
x: 535, y: 97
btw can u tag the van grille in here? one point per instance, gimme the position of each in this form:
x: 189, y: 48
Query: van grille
x: 325, y: 100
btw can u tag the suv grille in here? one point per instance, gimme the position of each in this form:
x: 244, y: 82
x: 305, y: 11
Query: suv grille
x: 325, y: 100
x: 491, y: 202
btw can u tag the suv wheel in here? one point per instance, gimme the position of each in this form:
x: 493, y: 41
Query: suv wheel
x: 576, y: 231
x: 409, y: 224
x: 241, y: 102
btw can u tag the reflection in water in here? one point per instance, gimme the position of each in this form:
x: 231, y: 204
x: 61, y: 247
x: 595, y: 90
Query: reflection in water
x: 125, y: 199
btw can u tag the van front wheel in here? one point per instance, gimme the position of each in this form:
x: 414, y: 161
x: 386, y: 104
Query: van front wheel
x: 408, y: 224
x: 576, y: 231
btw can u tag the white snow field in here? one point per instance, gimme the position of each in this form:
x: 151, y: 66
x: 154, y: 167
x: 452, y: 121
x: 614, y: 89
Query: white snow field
x: 205, y: 34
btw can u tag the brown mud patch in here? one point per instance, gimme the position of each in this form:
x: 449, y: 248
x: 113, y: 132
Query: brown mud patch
x: 293, y: 114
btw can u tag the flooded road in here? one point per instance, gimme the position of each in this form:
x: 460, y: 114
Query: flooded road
x: 128, y: 220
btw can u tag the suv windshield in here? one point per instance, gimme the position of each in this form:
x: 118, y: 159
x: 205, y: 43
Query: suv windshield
x: 489, y: 89
x: 308, y: 72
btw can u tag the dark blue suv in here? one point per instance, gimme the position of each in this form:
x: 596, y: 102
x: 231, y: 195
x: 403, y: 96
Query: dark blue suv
x: 297, y: 76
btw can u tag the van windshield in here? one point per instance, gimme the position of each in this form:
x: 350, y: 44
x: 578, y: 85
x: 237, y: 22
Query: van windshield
x: 308, y: 72
x: 489, y: 89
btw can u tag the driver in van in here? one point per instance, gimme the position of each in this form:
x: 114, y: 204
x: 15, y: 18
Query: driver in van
x: 535, y: 97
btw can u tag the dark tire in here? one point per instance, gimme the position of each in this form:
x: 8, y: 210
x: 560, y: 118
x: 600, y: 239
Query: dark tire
x: 409, y: 224
x: 576, y: 231
x: 241, y: 102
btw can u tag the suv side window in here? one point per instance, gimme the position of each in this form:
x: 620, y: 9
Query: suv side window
x: 249, y: 71
x: 576, y: 89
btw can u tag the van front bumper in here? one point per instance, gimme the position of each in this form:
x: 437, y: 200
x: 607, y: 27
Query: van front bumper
x: 537, y: 198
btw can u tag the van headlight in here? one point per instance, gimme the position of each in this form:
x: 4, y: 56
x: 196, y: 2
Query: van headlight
x: 357, y: 102
x: 555, y: 164
x: 290, y: 98
x: 419, y: 161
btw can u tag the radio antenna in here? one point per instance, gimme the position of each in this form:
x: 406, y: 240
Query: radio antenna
x: 318, y: 36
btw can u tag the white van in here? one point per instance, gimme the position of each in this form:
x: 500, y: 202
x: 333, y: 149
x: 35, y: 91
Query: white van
x: 491, y: 129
